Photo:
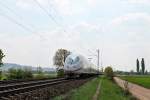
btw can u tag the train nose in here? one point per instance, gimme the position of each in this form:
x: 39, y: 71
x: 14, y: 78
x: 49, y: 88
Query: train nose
x: 72, y: 63
x: 71, y: 67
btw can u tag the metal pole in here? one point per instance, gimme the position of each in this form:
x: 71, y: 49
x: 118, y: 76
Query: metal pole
x: 98, y: 59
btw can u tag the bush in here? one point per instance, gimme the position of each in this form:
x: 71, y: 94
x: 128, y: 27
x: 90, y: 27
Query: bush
x: 12, y: 74
x: 39, y: 73
x: 28, y: 73
x: 60, y: 73
x: 19, y: 73
x: 40, y: 76
x: 109, y: 72
x: 0, y: 75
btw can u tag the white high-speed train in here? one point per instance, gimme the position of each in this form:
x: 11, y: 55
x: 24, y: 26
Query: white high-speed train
x: 76, y: 66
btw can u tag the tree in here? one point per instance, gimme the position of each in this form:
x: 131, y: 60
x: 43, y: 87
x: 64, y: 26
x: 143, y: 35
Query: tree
x: 146, y: 72
x: 1, y: 62
x: 137, y: 66
x: 143, y: 65
x: 40, y: 73
x: 28, y: 73
x: 109, y: 72
x: 60, y: 57
x: 59, y: 60
x: 1, y: 57
x: 39, y: 70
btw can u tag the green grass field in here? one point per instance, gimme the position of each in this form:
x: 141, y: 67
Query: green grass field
x: 50, y: 75
x: 111, y: 91
x: 108, y: 91
x: 140, y: 80
x: 3, y: 77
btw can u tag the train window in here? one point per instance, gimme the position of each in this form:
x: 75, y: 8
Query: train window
x: 69, y: 61
x: 76, y: 60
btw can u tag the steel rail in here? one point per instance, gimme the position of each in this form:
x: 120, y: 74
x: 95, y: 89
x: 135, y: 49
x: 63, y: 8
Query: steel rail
x: 4, y: 82
x: 30, y: 87
x: 24, y: 84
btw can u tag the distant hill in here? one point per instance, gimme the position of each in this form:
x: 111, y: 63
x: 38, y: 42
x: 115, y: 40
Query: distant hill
x: 7, y: 66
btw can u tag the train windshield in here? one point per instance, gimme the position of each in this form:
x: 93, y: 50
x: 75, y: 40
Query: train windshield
x: 72, y: 61
x: 69, y: 60
x: 76, y: 60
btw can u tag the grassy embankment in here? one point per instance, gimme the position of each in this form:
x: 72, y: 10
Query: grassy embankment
x: 111, y: 91
x: 108, y: 91
x: 85, y: 92
x: 140, y: 80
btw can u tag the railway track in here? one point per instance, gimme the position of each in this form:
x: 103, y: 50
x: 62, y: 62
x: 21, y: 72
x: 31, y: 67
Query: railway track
x: 6, y: 82
x: 27, y: 86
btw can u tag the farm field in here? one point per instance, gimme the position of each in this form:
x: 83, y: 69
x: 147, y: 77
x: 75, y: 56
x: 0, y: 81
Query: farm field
x: 108, y: 90
x: 140, y: 80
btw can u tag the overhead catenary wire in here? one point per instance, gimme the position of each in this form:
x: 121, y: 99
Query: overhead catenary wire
x: 26, y: 26
x: 9, y: 9
x: 16, y: 22
x: 49, y: 15
x: 21, y: 25
x: 19, y: 17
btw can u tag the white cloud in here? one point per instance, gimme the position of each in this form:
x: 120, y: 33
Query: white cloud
x: 88, y: 27
x: 132, y: 28
x: 131, y: 16
x: 25, y: 4
x: 92, y: 3
x: 127, y: 38
x: 145, y: 2
x: 63, y: 7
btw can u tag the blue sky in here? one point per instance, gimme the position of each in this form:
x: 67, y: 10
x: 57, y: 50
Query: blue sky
x: 119, y: 28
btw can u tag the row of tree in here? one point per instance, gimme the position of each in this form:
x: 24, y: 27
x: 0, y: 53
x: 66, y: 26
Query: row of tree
x: 142, y: 70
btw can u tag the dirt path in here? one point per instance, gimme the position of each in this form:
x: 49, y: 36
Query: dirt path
x: 95, y: 97
x: 138, y: 91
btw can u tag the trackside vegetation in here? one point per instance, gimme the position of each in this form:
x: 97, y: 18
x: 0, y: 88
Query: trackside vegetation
x: 59, y: 60
x: 1, y: 62
x: 19, y: 74
x: 140, y: 80
x: 84, y: 92
x: 109, y: 72
x: 26, y: 73
x: 111, y: 91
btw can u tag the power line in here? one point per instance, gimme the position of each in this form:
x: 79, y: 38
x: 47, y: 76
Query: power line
x: 98, y: 54
x: 49, y: 15
x: 21, y: 25
x: 16, y: 22
x: 17, y: 15
x: 9, y: 9
x: 46, y: 11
